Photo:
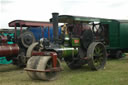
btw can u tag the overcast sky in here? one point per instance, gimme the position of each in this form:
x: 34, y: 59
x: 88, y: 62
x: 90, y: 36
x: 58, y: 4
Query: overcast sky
x: 40, y: 10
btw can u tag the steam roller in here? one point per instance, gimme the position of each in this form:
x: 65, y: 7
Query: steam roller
x: 77, y: 45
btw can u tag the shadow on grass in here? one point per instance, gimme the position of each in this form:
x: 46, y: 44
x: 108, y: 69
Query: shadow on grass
x: 124, y: 59
x: 66, y: 72
x: 8, y: 68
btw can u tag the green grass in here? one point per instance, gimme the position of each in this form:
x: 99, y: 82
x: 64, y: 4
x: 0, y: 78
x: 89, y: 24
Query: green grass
x: 115, y: 73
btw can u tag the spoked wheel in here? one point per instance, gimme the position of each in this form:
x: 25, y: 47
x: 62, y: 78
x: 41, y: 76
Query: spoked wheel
x: 119, y: 54
x: 45, y: 63
x: 96, y: 54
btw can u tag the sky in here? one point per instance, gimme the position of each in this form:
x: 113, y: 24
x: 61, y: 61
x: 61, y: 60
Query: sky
x: 40, y: 10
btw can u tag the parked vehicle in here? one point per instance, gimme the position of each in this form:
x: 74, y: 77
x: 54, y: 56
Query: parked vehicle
x: 24, y: 36
x: 115, y: 33
x: 77, y: 45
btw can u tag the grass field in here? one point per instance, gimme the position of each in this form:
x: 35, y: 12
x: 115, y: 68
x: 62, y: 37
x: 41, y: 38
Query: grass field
x: 115, y: 73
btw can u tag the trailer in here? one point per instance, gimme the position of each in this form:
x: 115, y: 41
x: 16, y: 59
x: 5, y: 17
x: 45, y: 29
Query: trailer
x: 116, y: 33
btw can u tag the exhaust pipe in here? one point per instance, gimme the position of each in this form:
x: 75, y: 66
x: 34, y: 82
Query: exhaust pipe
x: 55, y: 26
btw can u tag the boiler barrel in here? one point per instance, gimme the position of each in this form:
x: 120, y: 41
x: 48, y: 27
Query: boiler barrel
x: 9, y: 50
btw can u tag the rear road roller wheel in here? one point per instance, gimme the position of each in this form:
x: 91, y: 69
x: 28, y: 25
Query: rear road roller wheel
x: 46, y: 63
x: 32, y: 64
x: 96, y: 54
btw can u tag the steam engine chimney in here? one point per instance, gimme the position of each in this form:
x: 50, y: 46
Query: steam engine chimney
x: 55, y: 26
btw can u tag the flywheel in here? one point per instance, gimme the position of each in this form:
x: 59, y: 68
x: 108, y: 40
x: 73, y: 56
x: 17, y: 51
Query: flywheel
x: 27, y: 38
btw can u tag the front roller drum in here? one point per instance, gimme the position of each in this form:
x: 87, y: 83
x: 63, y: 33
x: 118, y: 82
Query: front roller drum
x: 43, y: 64
x: 96, y: 54
x: 32, y: 64
x: 31, y: 49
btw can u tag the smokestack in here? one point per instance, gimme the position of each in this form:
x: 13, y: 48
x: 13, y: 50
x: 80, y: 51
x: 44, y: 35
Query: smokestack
x: 55, y: 25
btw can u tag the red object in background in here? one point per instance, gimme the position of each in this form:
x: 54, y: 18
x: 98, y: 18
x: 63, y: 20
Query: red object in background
x: 25, y: 23
x: 3, y: 39
x: 9, y: 50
